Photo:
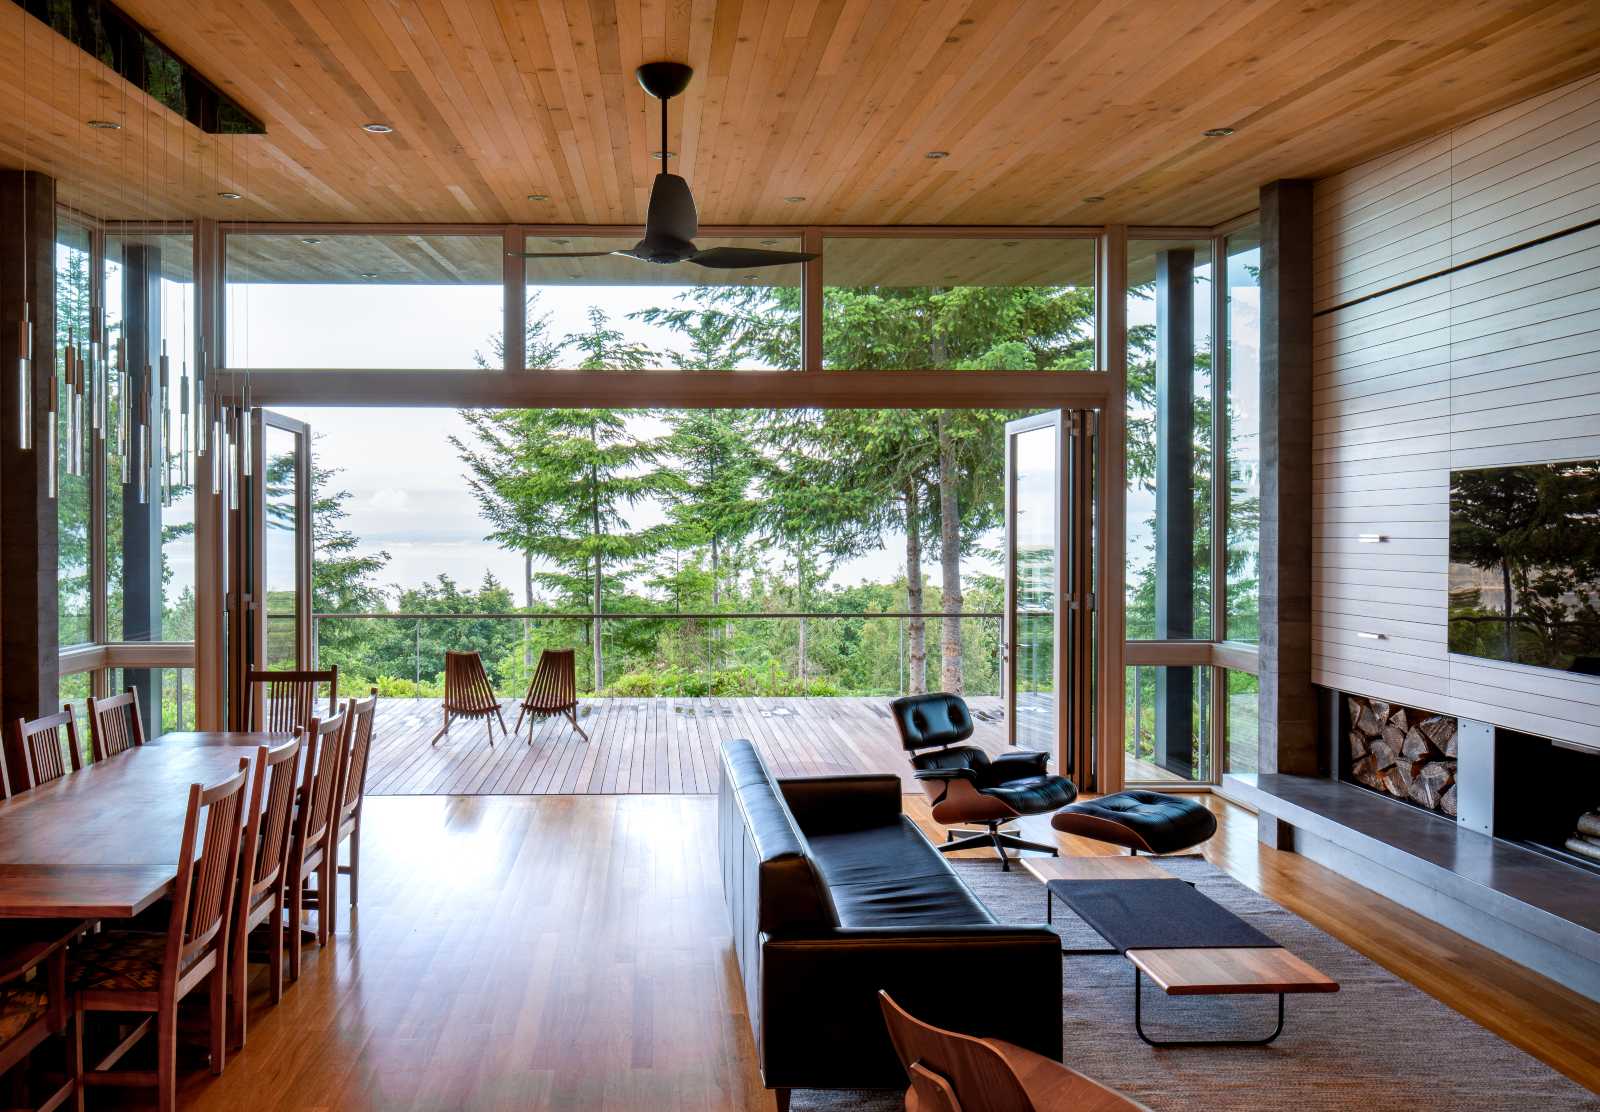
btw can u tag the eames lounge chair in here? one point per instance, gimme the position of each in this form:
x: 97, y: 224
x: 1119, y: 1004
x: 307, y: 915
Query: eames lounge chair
x: 967, y: 785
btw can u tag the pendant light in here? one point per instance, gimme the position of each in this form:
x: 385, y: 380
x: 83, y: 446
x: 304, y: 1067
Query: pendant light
x: 25, y: 372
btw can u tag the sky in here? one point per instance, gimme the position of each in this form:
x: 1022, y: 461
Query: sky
x: 408, y: 494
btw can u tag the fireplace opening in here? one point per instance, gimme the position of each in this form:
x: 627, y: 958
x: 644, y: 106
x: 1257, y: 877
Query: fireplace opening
x: 1403, y: 752
x: 1547, y: 798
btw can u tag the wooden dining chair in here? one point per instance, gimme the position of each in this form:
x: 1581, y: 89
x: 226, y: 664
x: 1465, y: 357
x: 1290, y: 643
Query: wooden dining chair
x: 553, y: 690
x: 125, y: 971
x: 115, y: 724
x: 468, y: 693
x: 352, y: 793
x: 283, y: 702
x: 35, y: 1005
x: 310, y: 848
x: 952, y: 1072
x: 263, y: 860
x: 40, y: 744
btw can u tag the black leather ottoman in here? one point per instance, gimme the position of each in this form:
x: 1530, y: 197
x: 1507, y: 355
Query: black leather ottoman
x: 1148, y: 821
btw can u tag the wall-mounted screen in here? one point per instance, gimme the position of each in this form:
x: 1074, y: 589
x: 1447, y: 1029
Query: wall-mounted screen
x: 1525, y: 564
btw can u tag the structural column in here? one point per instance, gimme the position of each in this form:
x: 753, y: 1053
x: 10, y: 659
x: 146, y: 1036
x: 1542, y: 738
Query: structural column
x: 141, y: 521
x: 1174, y: 745
x: 1288, y: 704
x: 29, y: 676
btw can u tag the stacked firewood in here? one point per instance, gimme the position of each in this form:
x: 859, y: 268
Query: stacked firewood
x: 1585, y: 840
x: 1405, y: 752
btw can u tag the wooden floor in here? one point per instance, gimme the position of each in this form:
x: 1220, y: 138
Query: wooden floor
x: 573, y: 952
x: 663, y: 746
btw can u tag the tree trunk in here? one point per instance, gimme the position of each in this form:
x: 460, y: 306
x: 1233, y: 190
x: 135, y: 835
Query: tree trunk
x: 1507, y: 637
x: 527, y: 623
x: 916, y: 631
x: 950, y: 663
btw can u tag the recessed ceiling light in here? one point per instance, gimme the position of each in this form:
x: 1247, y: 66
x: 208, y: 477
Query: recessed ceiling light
x: 561, y: 242
x: 768, y: 242
x: 105, y: 125
x: 659, y: 155
x: 377, y: 129
x: 538, y: 197
x: 1009, y: 242
x: 310, y: 241
x: 751, y: 277
x: 794, y: 200
x: 937, y: 154
x: 1093, y: 200
x: 1218, y: 132
x: 366, y: 274
x: 229, y: 196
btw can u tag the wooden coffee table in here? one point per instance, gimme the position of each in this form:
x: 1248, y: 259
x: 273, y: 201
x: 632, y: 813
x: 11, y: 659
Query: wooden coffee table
x: 1264, y: 970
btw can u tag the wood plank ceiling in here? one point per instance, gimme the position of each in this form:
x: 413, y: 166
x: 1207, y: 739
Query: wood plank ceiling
x: 1038, y: 104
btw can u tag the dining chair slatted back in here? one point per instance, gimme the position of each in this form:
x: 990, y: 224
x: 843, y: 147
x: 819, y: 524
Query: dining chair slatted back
x: 44, y: 756
x: 310, y: 848
x: 352, y: 792
x: 468, y: 693
x: 204, y: 888
x: 270, y: 817
x: 321, y: 778
x: 353, y: 777
x: 115, y: 724
x: 283, y: 702
x: 553, y: 690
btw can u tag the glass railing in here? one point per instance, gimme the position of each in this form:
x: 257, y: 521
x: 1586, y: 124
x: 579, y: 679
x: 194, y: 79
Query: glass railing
x: 662, y: 654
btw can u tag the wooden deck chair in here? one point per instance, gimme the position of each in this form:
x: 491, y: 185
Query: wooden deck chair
x: 553, y: 690
x: 468, y: 693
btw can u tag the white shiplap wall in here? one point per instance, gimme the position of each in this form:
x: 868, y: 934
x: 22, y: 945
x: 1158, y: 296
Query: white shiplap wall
x: 1496, y: 362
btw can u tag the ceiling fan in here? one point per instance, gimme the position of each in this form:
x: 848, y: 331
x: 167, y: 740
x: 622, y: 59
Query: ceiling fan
x: 671, y: 223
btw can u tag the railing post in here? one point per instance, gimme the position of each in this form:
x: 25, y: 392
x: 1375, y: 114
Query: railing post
x: 416, y: 663
x: 599, y: 658
x: 900, y: 655
x: 316, y: 641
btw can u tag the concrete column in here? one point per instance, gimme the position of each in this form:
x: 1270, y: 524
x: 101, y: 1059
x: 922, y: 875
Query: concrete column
x: 141, y: 523
x: 1174, y: 743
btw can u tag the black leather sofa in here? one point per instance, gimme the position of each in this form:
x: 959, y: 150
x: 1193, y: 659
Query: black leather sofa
x: 834, y: 894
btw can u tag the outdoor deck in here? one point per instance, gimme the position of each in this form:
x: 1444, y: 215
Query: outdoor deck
x: 664, y: 746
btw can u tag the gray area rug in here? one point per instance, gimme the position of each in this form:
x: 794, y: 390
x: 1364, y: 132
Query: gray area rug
x: 1378, y: 1043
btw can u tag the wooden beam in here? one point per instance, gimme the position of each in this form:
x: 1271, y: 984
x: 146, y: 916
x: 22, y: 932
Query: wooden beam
x: 671, y: 389
x: 29, y: 677
x: 1288, y: 704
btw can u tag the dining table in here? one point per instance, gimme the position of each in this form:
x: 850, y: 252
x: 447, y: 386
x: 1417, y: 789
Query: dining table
x: 102, y: 842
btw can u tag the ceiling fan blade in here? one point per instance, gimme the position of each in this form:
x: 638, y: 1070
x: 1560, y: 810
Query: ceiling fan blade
x: 733, y: 258
x: 672, y: 214
x: 564, y: 254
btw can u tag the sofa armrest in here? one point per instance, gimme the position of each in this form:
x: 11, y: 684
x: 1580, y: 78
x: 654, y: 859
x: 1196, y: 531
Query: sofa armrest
x: 831, y: 804
x: 821, y: 1023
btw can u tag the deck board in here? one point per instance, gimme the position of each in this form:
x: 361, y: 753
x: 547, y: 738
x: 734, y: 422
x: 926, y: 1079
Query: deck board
x: 640, y: 746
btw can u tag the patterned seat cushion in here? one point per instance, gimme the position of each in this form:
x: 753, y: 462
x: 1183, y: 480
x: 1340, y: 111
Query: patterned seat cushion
x: 129, y: 961
x: 19, y: 1007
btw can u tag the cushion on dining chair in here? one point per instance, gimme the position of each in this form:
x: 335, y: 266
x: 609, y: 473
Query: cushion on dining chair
x: 127, y: 961
x: 20, y: 1007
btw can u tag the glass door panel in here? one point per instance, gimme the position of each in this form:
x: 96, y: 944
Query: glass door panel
x: 1033, y: 490
x: 280, y: 497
